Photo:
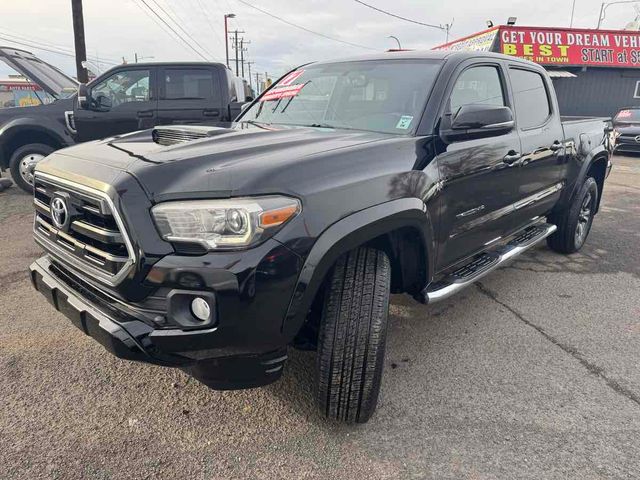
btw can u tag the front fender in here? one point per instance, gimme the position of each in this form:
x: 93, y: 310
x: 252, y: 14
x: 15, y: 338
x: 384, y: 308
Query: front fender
x: 45, y: 125
x: 347, y: 234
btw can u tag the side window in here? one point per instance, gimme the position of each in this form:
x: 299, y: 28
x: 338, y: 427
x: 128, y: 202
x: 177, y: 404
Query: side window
x: 124, y: 87
x: 530, y: 97
x: 477, y: 86
x: 188, y: 84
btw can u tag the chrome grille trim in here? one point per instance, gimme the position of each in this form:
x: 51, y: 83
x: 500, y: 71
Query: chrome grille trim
x: 75, y: 253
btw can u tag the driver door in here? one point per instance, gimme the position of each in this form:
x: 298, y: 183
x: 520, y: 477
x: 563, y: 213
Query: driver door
x: 123, y: 101
x: 479, y: 180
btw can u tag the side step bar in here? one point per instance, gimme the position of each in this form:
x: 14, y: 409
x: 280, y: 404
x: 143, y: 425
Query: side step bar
x: 486, y: 262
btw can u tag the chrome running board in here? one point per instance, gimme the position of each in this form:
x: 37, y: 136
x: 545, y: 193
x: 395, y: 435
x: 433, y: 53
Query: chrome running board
x: 485, y: 263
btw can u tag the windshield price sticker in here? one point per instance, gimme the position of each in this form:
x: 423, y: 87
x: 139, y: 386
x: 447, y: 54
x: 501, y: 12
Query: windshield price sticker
x: 405, y: 122
x: 290, y: 78
x: 284, y: 91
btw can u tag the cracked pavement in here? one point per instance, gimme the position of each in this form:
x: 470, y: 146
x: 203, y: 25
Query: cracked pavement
x: 532, y: 373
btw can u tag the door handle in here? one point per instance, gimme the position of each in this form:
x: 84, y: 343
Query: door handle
x: 555, y: 146
x: 211, y: 112
x: 145, y: 114
x: 512, y: 157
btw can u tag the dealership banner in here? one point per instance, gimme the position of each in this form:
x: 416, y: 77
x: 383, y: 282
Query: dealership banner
x: 572, y: 47
x: 478, y: 42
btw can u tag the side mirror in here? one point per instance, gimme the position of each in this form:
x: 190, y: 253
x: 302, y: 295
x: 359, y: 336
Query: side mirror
x: 477, y: 121
x: 83, y: 96
x: 103, y: 103
x: 236, y: 108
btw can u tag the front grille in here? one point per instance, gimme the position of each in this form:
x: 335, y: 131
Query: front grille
x: 627, y: 139
x: 93, y: 240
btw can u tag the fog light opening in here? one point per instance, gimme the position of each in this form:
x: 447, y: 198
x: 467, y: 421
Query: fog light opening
x: 200, y: 309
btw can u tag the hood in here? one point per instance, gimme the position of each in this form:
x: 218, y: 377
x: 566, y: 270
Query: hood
x: 46, y: 76
x: 36, y: 114
x: 220, y: 165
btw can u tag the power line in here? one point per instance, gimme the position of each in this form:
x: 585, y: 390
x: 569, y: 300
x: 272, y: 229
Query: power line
x: 51, y: 50
x: 42, y: 45
x: 304, y: 28
x: 181, y: 28
x: 399, y: 17
x: 151, y: 10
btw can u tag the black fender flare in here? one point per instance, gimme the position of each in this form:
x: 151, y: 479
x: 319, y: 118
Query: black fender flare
x: 347, y: 234
x: 43, y: 125
x: 597, y: 154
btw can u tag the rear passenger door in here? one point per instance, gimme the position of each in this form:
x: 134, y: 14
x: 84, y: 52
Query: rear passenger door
x: 542, y: 168
x: 189, y: 95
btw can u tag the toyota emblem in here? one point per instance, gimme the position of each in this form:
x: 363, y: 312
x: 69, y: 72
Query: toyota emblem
x: 637, y: 139
x: 59, y: 213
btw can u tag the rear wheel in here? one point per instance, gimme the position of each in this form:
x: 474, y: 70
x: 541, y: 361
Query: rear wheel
x: 574, y: 223
x: 352, y: 336
x: 23, y: 161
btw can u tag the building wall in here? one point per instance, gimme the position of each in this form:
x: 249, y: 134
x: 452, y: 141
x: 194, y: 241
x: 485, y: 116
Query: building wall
x: 598, y: 91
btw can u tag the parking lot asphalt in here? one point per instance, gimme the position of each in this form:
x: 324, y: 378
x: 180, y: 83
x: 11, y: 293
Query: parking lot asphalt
x: 532, y: 373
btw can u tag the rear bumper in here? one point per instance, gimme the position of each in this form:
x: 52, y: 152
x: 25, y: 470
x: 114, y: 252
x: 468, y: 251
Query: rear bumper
x: 131, y: 339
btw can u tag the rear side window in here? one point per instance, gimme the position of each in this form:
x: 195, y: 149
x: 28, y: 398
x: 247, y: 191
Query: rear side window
x: 189, y: 84
x: 530, y: 97
x: 477, y: 86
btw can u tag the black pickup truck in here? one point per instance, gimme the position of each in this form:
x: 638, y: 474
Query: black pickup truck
x: 215, y: 250
x: 126, y: 98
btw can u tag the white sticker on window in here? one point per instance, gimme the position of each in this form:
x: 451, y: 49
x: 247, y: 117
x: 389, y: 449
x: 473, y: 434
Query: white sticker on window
x: 405, y: 122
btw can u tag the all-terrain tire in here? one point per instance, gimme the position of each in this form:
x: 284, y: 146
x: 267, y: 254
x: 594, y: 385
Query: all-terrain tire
x: 38, y: 151
x: 352, y: 337
x: 574, y: 222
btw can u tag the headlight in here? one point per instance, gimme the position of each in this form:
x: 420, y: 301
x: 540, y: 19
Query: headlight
x: 224, y: 224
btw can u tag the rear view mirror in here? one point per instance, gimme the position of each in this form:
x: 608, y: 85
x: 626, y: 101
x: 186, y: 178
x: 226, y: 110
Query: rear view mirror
x: 83, y: 96
x: 478, y: 121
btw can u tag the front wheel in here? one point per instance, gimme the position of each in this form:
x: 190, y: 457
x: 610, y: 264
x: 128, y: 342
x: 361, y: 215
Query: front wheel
x: 24, y: 160
x: 352, y: 338
x: 574, y: 223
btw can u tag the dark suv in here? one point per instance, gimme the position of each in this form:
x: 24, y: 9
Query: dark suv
x: 216, y: 250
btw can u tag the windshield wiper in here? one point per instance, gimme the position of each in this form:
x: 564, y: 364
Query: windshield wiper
x: 253, y: 122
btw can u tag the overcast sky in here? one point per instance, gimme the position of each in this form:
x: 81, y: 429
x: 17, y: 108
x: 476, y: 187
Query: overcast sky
x: 117, y: 28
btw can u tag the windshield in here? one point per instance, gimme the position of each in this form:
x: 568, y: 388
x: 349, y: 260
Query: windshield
x: 39, y: 73
x: 627, y: 116
x: 380, y: 96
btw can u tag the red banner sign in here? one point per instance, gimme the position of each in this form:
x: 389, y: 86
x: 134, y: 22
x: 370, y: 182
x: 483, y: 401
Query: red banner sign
x: 578, y: 47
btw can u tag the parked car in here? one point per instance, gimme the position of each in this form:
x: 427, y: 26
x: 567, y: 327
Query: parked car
x: 216, y: 250
x: 124, y: 99
x: 626, y: 125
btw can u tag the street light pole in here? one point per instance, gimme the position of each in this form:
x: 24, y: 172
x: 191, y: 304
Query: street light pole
x: 227, y: 16
x: 603, y: 10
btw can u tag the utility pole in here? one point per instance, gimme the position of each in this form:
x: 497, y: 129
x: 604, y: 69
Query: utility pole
x: 235, y: 47
x: 249, y: 67
x: 242, y: 50
x: 135, y: 55
x: 242, y: 56
x: 78, y: 40
x: 257, y: 83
